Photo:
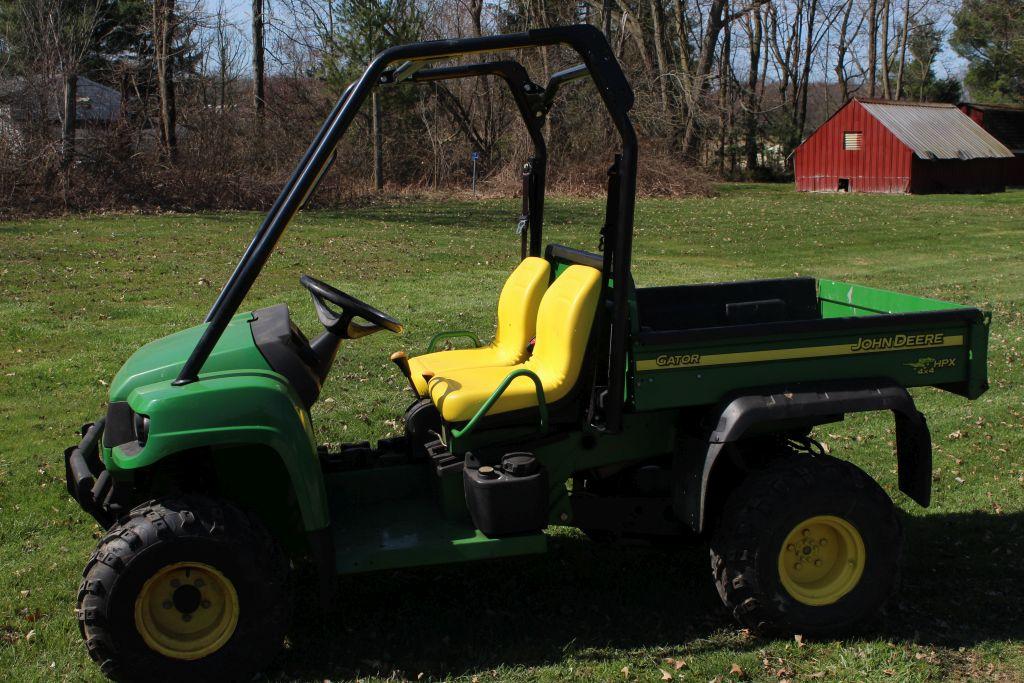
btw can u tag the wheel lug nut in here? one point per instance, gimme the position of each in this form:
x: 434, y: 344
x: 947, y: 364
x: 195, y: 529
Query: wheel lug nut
x: 823, y: 541
x: 797, y: 566
x: 205, y: 604
x: 186, y: 617
x: 806, y: 532
x: 791, y: 547
x: 199, y: 583
x: 167, y: 604
x: 817, y: 563
x: 175, y: 583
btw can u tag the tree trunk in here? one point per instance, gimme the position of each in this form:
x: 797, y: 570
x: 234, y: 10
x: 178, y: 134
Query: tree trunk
x: 805, y: 76
x: 872, y: 45
x: 903, y: 49
x: 702, y: 82
x: 659, y: 51
x: 258, y: 75
x: 886, y: 89
x: 70, y: 121
x: 724, y: 105
x: 378, y: 144
x: 841, y: 52
x: 163, y: 35
x: 750, y: 115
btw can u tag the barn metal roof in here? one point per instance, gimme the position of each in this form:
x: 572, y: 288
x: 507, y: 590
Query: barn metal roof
x: 936, y: 131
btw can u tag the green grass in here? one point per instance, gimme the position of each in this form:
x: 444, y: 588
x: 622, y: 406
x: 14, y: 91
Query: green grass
x: 78, y: 295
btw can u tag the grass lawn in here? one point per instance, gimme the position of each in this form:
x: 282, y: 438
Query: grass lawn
x: 81, y: 294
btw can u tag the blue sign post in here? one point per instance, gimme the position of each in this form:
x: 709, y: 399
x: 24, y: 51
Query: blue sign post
x: 475, y: 156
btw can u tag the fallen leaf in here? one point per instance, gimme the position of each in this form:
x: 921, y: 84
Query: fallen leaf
x: 737, y: 671
x: 665, y: 676
x: 30, y: 636
x: 799, y: 640
x: 625, y: 671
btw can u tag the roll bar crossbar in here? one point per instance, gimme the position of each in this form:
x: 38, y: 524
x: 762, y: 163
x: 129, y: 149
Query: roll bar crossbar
x: 616, y: 94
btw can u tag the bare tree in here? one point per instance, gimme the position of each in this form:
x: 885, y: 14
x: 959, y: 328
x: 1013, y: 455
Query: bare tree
x: 258, y: 72
x: 164, y: 23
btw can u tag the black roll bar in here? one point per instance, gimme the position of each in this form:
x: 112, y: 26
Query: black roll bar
x: 617, y: 96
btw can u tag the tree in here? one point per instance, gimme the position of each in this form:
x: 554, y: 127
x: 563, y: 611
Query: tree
x: 258, y: 75
x: 924, y: 44
x: 164, y: 23
x: 990, y: 36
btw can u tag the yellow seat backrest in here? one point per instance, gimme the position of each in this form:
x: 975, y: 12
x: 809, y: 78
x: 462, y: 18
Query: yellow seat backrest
x: 517, y: 306
x: 564, y: 320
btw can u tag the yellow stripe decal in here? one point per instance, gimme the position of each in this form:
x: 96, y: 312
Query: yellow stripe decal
x: 899, y: 342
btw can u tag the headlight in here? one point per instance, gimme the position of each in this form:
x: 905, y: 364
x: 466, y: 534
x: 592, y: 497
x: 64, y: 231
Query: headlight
x: 141, y: 428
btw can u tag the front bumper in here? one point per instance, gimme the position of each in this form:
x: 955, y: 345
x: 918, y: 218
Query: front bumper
x: 88, y: 480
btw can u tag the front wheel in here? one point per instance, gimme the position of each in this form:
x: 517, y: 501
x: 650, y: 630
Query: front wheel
x: 808, y: 546
x: 184, y: 589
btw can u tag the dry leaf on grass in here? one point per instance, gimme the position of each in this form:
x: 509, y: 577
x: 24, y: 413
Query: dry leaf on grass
x: 665, y: 676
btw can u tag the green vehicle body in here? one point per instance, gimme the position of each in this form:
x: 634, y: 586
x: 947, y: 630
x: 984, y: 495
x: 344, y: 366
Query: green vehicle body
x: 242, y: 414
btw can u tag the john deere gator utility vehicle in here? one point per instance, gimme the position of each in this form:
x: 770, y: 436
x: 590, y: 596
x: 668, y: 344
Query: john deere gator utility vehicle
x: 622, y: 411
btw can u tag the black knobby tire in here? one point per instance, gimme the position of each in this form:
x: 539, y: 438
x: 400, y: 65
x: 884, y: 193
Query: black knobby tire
x: 760, y: 514
x: 189, y: 529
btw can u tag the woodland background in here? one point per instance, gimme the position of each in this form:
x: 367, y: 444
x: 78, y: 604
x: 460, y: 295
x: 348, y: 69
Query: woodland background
x: 218, y: 104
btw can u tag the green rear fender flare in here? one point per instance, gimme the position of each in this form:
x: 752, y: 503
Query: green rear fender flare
x: 231, y: 409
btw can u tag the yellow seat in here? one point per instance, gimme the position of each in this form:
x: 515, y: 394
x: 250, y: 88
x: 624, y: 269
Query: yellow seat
x: 517, y: 323
x: 563, y: 330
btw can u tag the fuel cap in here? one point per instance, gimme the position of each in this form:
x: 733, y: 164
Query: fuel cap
x: 520, y: 464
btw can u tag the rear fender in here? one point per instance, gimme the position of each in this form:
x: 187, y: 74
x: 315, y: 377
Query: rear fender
x: 242, y: 409
x: 767, y: 412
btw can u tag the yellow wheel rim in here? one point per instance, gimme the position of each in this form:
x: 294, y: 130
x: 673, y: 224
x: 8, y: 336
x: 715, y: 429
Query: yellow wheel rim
x: 821, y: 560
x: 187, y: 610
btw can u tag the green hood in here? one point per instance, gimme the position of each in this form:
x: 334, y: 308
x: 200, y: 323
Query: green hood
x: 161, y: 360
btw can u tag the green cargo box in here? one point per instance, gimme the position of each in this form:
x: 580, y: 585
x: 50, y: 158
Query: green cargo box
x: 696, y: 344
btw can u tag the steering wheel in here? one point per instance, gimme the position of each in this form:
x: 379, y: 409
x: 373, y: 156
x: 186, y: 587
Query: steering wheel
x: 342, y: 324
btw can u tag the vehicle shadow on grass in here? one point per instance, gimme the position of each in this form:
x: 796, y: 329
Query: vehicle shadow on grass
x: 963, y: 584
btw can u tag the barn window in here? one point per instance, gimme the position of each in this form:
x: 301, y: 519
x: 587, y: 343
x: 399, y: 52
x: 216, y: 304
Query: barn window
x: 852, y: 140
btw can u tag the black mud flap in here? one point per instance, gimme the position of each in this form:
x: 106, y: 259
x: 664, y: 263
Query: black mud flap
x: 914, y: 456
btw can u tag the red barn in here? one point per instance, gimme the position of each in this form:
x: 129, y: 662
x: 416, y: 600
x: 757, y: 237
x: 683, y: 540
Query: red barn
x: 1006, y: 123
x: 888, y: 146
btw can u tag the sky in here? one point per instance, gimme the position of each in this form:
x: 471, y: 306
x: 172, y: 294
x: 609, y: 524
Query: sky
x: 947, y: 64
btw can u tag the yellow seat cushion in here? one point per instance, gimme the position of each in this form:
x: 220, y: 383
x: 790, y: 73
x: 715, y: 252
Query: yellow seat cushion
x: 441, y: 362
x: 564, y: 320
x: 517, y: 323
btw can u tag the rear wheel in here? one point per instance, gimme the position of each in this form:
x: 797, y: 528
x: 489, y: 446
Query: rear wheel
x: 810, y: 545
x: 184, y: 589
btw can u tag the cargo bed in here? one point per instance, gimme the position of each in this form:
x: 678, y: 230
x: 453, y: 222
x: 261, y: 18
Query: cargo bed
x: 695, y: 344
